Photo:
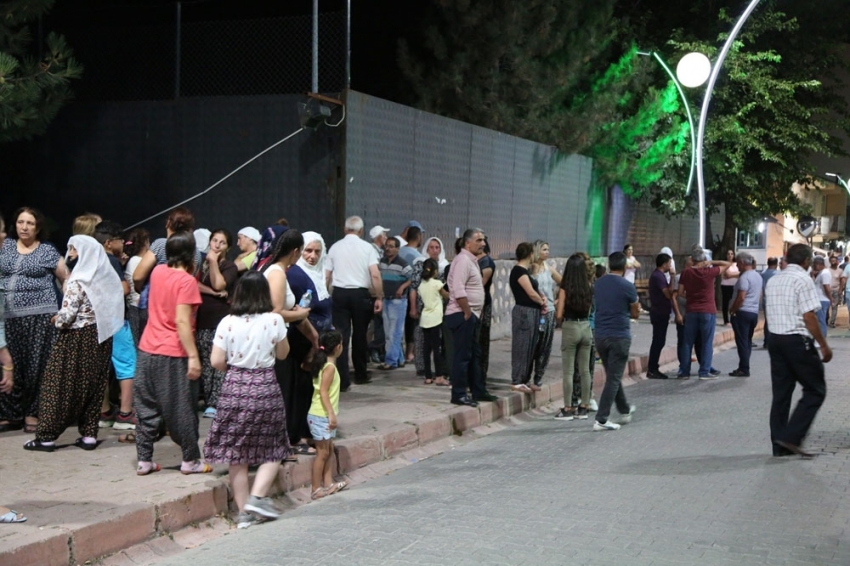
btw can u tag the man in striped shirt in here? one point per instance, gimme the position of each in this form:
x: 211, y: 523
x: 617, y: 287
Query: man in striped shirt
x: 794, y: 329
x: 395, y: 275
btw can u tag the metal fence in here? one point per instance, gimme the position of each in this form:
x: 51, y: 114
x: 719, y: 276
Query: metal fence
x: 172, y: 51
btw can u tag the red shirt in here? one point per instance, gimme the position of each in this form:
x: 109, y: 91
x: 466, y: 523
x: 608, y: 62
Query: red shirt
x: 699, y: 288
x: 169, y: 287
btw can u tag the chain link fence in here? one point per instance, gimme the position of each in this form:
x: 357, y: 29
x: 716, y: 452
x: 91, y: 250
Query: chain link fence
x: 165, y: 53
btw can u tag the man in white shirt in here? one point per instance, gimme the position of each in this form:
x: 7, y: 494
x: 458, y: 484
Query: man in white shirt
x: 378, y: 235
x: 351, y: 267
x: 823, y: 284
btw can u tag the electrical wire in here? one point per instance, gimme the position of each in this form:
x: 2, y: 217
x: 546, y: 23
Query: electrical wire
x: 220, y: 181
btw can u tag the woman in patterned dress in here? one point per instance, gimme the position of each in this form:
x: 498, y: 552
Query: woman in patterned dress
x: 28, y: 269
x: 249, y: 427
x: 76, y: 373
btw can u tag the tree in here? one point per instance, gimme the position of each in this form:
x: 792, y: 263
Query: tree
x: 769, y: 115
x: 538, y: 69
x: 32, y: 87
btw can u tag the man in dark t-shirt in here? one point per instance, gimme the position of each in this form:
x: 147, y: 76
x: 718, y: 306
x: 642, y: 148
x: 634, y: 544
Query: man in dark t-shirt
x: 698, y: 283
x: 616, y: 303
x: 661, y: 296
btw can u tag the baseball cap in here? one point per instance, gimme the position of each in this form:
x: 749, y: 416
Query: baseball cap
x: 250, y: 232
x: 415, y: 223
x: 377, y: 231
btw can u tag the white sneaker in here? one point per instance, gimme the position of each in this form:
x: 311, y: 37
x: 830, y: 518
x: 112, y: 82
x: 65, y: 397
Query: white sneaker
x: 597, y: 426
x: 626, y: 419
x: 593, y: 406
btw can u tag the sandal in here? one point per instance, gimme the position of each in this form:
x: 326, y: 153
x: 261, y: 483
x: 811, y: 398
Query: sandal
x: 319, y: 493
x: 443, y: 382
x: 38, y: 446
x: 30, y: 428
x: 12, y: 517
x: 385, y: 367
x: 140, y: 471
x: 198, y: 467
x: 304, y: 450
x: 428, y: 381
x: 336, y: 486
x: 129, y: 438
x: 79, y: 443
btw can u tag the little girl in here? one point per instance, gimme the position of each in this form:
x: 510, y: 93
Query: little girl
x: 135, y: 246
x: 431, y: 321
x: 323, y: 411
x: 249, y: 426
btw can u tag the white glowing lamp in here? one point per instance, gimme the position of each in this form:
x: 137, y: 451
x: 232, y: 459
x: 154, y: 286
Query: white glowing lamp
x: 693, y: 70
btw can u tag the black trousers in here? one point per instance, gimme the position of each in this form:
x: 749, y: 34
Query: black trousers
x: 352, y: 311
x: 659, y: 339
x: 466, y: 363
x: 793, y: 360
x: 726, y: 292
x: 434, y: 346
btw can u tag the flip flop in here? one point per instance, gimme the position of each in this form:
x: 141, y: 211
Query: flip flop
x: 197, y: 468
x: 154, y: 468
x: 304, y: 450
x: 429, y: 381
x: 12, y: 517
x: 129, y: 438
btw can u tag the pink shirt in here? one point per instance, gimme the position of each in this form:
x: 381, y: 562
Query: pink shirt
x: 465, y: 281
x: 169, y: 288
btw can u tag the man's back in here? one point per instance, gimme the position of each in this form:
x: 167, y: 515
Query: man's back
x: 613, y: 296
x: 699, y: 288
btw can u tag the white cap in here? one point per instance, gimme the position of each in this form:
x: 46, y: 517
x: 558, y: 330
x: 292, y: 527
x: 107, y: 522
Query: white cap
x: 251, y: 233
x: 202, y: 240
x: 377, y: 231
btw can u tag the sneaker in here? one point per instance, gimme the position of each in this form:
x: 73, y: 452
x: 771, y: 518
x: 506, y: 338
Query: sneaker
x: 107, y: 419
x: 262, y: 506
x: 209, y: 413
x: 593, y: 407
x: 707, y: 377
x: 598, y: 426
x: 627, y: 418
x: 683, y: 376
x: 714, y: 372
x: 581, y: 413
x: 245, y: 520
x: 564, y: 415
x: 739, y: 373
x: 656, y: 375
x: 125, y: 422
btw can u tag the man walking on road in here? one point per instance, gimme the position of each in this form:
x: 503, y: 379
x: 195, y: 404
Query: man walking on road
x: 792, y: 312
x: 352, y: 267
x: 616, y: 303
x: 745, y: 311
x: 462, y: 319
x: 662, y: 294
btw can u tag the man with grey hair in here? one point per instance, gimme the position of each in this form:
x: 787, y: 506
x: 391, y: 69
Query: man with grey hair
x: 823, y: 284
x: 351, y: 267
x: 745, y: 311
x: 698, y: 284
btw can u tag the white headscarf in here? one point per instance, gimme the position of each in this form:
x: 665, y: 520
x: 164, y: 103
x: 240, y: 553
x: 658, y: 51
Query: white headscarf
x: 316, y: 272
x: 668, y: 251
x: 442, y: 261
x: 101, y: 283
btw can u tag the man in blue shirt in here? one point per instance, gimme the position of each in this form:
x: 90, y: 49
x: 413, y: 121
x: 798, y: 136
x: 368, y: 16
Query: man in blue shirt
x: 616, y: 303
x: 661, y: 296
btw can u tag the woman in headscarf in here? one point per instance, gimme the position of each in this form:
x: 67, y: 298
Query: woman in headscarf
x: 306, y: 277
x: 433, y: 249
x: 29, y: 269
x: 265, y: 247
x: 74, y: 380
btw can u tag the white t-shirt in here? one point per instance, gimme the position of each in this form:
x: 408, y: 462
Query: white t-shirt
x: 289, y: 298
x: 349, y: 261
x: 249, y: 340
x: 823, y: 278
x: 132, y: 264
x: 629, y: 275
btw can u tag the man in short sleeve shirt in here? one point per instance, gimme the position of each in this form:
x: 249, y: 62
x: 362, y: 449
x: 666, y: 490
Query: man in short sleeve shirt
x: 745, y: 311
x: 662, y: 293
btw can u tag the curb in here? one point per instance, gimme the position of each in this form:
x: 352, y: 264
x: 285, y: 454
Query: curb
x: 124, y: 526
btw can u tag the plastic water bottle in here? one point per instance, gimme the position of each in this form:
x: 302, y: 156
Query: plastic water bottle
x: 306, y: 299
x: 541, y: 327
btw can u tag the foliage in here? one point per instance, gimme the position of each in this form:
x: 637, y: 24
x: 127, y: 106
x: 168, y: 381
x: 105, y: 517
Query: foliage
x: 32, y: 87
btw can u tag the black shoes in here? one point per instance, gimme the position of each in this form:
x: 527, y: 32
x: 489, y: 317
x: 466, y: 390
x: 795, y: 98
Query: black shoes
x: 84, y: 445
x: 465, y: 400
x: 37, y: 446
x: 487, y: 397
x: 375, y: 356
x: 739, y: 373
x: 656, y: 375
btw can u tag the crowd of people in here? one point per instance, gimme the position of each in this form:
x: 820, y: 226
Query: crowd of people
x: 130, y: 333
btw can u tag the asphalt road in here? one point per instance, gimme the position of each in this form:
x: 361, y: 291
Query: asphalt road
x: 689, y: 481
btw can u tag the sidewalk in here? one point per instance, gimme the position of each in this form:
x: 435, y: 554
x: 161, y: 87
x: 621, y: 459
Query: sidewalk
x: 83, y: 505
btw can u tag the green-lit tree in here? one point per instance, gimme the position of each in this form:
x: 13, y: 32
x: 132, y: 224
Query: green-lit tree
x: 538, y: 69
x: 32, y: 88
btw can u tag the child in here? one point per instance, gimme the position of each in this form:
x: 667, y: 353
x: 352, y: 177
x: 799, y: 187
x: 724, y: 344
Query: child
x: 168, y: 366
x: 249, y: 425
x: 137, y: 243
x: 323, y: 411
x: 431, y: 321
x: 75, y: 377
x: 109, y: 235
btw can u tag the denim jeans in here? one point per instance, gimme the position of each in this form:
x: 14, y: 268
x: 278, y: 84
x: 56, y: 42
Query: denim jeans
x: 699, y: 328
x: 394, y: 312
x: 744, y: 324
x: 615, y: 355
x: 822, y: 314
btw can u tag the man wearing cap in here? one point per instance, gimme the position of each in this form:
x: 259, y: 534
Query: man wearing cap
x: 378, y: 235
x: 351, y: 268
x: 246, y: 240
x: 402, y: 238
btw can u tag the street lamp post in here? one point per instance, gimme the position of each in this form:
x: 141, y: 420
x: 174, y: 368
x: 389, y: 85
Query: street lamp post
x: 841, y: 181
